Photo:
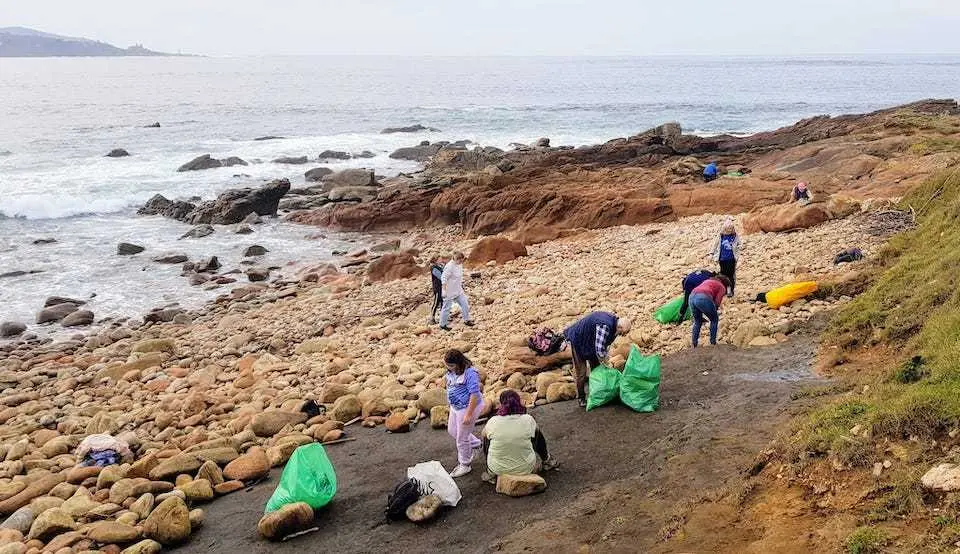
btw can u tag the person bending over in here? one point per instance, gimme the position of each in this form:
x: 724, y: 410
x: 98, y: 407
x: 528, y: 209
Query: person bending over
x: 590, y: 339
x: 705, y: 301
x: 690, y: 282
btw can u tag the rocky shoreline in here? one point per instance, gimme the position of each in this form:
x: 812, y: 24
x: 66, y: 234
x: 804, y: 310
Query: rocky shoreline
x: 208, y: 401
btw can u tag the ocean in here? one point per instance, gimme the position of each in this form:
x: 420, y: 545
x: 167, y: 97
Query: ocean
x: 59, y: 117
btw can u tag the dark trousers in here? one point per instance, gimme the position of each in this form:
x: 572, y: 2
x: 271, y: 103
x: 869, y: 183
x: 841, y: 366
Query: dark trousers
x: 437, y: 302
x: 581, y: 371
x: 539, y: 445
x: 729, y: 268
x: 708, y: 178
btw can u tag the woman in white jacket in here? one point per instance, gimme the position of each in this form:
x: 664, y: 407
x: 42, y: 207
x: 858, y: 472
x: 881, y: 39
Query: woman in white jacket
x: 452, y: 291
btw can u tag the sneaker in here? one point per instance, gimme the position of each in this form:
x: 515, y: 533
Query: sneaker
x: 460, y: 471
x: 468, y: 323
x: 488, y: 477
x: 446, y: 328
x: 550, y: 464
x: 582, y: 403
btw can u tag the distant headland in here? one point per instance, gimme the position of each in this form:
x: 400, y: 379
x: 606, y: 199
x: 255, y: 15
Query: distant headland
x: 20, y: 42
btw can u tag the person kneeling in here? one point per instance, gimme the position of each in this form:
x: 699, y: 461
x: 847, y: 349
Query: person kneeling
x: 513, y: 442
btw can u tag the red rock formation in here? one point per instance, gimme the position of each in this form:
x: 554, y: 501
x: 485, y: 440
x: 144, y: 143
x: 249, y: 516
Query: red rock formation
x: 498, y: 249
x: 391, y: 267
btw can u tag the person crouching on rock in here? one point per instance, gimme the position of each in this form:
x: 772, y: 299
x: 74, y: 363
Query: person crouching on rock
x: 590, y: 339
x: 725, y: 253
x: 436, y: 275
x: 451, y: 282
x: 690, y: 282
x: 705, y: 301
x: 801, y: 194
x: 711, y: 172
x: 466, y: 403
x: 513, y: 442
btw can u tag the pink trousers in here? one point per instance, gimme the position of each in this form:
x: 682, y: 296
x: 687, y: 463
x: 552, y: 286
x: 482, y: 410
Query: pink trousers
x: 463, y: 434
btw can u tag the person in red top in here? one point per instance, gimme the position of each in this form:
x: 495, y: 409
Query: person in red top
x: 705, y: 301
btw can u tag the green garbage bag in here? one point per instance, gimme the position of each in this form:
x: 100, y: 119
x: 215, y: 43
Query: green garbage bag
x: 640, y: 384
x: 308, y: 477
x: 669, y: 312
x: 604, y: 386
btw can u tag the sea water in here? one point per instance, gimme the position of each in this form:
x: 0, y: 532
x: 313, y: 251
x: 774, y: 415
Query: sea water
x: 60, y: 116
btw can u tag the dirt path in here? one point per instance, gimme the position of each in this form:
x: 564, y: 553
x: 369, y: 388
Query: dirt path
x: 623, y: 481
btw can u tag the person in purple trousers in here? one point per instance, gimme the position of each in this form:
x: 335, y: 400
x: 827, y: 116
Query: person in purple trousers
x: 466, y: 403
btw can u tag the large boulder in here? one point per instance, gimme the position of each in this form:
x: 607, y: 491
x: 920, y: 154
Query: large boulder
x: 11, y: 329
x: 942, y: 478
x: 419, y: 153
x: 394, y: 266
x: 78, y: 318
x: 168, y: 523
x: 498, y: 249
x: 160, y: 205
x: 56, y: 313
x: 205, y: 161
x: 316, y: 174
x: 350, y: 178
x: 334, y: 155
x: 129, y: 249
x: 794, y: 216
x: 234, y: 205
x: 349, y: 194
x: 291, y: 160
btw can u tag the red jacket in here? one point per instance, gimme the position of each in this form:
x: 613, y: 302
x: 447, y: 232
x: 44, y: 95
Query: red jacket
x: 712, y: 288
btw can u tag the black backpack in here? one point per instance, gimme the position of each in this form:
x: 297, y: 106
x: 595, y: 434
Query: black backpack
x: 404, y: 495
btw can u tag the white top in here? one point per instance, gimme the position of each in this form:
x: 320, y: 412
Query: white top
x: 452, y: 279
x: 511, y: 449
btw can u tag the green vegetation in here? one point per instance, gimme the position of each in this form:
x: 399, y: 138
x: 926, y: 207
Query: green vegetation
x: 931, y: 145
x: 913, y: 121
x: 914, y: 306
x: 866, y: 540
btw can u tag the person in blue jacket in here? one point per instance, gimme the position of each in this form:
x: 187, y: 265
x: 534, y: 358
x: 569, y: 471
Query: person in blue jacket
x: 710, y: 172
x: 690, y: 282
x: 590, y: 339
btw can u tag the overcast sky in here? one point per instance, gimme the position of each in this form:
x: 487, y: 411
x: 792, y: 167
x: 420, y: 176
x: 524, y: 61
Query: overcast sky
x: 513, y: 27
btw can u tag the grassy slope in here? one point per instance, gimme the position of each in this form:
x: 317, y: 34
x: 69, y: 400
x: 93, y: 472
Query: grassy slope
x: 914, y: 307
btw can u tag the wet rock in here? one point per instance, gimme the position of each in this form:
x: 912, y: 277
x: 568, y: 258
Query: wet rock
x: 352, y: 193
x: 55, y: 313
x: 78, y: 318
x: 255, y: 250
x: 199, y: 231
x: 408, y: 129
x: 287, y: 520
x: 160, y: 205
x: 424, y: 509
x: 169, y: 523
x: 520, y: 485
x: 421, y: 153
x: 542, y: 143
x: 334, y: 155
x: 251, y: 466
x: 117, y: 153
x: 290, y: 160
x: 316, y: 174
x: 208, y: 162
x: 176, y: 258
x: 11, y: 329
x: 55, y: 300
x: 129, y: 249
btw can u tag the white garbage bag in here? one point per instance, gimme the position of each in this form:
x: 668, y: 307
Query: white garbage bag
x: 436, y: 481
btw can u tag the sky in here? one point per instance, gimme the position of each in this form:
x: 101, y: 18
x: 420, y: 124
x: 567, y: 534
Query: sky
x: 503, y: 27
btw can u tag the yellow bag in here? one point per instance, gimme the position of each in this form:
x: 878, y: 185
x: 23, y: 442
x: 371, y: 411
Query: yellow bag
x: 790, y: 293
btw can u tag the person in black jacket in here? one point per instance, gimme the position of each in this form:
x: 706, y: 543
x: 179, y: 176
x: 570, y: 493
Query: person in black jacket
x: 436, y: 271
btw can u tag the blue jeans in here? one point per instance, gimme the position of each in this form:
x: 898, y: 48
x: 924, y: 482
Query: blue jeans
x: 448, y: 303
x: 702, y: 305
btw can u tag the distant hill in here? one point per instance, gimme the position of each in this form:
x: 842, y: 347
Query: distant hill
x: 20, y: 42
